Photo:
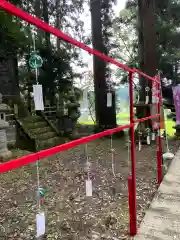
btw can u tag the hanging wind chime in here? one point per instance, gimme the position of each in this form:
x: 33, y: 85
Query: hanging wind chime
x: 35, y: 62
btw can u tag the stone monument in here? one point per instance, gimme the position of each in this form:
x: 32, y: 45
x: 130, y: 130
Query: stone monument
x: 4, y: 152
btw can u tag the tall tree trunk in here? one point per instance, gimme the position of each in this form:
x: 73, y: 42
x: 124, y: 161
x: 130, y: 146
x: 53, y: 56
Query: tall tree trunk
x: 147, y: 53
x: 105, y: 116
x: 51, y: 85
x: 38, y: 13
x: 148, y: 39
x: 58, y: 22
x: 141, y: 49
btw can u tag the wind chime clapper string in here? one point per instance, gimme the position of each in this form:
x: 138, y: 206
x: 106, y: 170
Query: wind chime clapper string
x: 112, y: 156
x: 129, y: 145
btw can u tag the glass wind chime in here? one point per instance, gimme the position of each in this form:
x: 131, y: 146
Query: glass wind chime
x: 150, y: 136
x: 36, y: 62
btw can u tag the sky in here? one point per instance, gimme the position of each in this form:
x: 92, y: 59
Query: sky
x: 120, y: 5
x: 87, y: 58
x: 87, y: 25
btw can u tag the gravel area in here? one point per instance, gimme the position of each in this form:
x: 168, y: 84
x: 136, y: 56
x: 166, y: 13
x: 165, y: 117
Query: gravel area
x: 70, y: 215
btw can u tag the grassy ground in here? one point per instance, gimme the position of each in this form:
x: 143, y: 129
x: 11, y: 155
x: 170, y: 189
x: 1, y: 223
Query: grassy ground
x: 123, y: 118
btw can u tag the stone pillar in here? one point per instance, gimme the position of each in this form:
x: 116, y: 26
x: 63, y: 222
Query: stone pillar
x: 4, y: 152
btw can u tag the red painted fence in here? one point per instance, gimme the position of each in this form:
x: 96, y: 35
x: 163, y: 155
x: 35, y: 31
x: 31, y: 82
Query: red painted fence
x: 16, y: 163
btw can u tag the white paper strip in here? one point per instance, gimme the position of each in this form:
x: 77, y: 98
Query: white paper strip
x: 109, y: 99
x: 153, y: 137
x: 148, y: 140
x: 40, y: 224
x: 147, y: 99
x: 38, y: 97
x: 88, y: 188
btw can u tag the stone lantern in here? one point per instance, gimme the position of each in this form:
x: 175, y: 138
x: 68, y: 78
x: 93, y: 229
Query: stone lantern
x: 4, y: 152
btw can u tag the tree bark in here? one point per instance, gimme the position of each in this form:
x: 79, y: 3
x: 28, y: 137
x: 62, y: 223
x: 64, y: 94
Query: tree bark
x: 50, y: 84
x: 105, y: 116
x: 147, y: 38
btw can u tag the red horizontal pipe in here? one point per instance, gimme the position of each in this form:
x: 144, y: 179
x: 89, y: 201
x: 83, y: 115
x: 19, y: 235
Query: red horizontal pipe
x: 66, y: 146
x: 13, y: 10
x: 147, y: 118
x: 145, y: 75
x: 16, y: 163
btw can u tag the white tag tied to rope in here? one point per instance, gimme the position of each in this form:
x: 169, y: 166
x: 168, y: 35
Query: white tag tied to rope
x: 109, y: 99
x: 88, y: 188
x: 138, y: 95
x: 147, y: 99
x: 40, y: 224
x: 153, y: 136
x: 147, y: 95
x: 139, y: 142
x: 148, y: 140
x: 38, y: 97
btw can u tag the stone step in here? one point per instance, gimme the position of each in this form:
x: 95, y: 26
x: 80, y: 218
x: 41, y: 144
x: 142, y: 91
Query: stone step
x: 52, y: 142
x: 35, y: 125
x: 46, y: 136
x: 40, y: 130
x: 32, y: 119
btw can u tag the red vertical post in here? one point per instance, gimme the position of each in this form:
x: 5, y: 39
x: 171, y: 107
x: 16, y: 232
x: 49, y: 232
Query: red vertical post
x: 132, y: 182
x: 159, y: 142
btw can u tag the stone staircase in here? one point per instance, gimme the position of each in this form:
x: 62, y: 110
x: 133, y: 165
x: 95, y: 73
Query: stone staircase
x: 39, y: 130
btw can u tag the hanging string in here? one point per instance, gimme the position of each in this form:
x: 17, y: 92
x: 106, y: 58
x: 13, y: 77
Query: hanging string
x: 112, y: 156
x: 34, y: 48
x: 128, y: 142
x: 37, y: 162
x: 38, y: 186
x: 87, y: 162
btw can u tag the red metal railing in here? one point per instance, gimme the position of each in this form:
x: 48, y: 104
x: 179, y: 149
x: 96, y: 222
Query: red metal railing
x: 16, y: 163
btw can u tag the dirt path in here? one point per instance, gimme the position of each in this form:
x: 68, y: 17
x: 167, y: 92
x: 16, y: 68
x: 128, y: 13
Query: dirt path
x: 70, y: 214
